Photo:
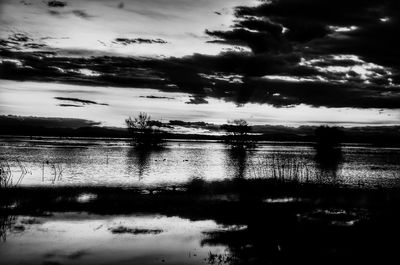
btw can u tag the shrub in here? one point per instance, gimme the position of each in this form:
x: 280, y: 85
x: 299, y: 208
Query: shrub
x: 144, y: 131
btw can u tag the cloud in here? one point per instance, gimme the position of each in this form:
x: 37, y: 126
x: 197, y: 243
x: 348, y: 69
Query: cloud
x: 19, y: 37
x: 277, y: 79
x: 197, y: 100
x: 20, y: 41
x: 319, y: 53
x: 257, y: 41
x: 77, y: 100
x: 15, y: 121
x: 156, y: 97
x: 310, y: 26
x: 78, y: 13
x: 69, y: 105
x: 55, y: 3
x: 126, y: 41
x: 81, y: 14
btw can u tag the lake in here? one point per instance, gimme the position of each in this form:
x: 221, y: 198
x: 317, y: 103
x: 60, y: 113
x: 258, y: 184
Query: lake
x: 113, y: 162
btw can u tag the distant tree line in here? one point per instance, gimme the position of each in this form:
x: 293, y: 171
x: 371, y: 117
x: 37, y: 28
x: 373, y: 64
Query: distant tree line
x: 146, y: 132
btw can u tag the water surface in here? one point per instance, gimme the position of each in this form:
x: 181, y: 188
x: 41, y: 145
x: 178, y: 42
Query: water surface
x: 80, y: 238
x: 54, y: 161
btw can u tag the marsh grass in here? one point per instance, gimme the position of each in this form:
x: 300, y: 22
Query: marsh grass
x: 283, y: 167
x: 6, y: 223
x: 224, y: 258
x: 7, y: 174
x: 57, y: 171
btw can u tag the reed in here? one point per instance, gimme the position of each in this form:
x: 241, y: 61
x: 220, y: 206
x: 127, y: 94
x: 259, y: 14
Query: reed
x: 283, y: 167
x: 7, y: 174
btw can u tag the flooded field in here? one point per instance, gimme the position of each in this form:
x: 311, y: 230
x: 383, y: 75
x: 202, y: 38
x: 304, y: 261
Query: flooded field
x: 105, y: 162
x: 80, y: 238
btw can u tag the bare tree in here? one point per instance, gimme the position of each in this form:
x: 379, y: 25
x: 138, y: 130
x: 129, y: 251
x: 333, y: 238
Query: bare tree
x: 238, y: 133
x: 144, y: 131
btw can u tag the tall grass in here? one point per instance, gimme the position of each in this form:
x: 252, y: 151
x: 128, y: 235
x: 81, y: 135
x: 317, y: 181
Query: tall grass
x: 6, y: 222
x: 283, y: 167
x: 7, y: 175
x: 57, y: 171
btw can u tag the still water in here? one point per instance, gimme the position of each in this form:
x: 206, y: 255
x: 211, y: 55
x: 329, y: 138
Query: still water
x: 53, y: 161
x: 80, y: 238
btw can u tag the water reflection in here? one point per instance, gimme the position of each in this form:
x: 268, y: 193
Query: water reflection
x: 237, y: 161
x: 117, y: 164
x: 276, y: 237
x: 328, y: 161
x: 139, y: 161
x: 80, y: 238
x: 328, y: 151
x: 6, y: 222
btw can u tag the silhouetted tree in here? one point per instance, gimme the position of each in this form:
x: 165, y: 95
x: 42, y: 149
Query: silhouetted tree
x: 144, y: 131
x: 238, y: 134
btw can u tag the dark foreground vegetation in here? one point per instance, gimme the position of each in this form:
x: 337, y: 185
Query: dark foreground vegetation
x: 285, y: 222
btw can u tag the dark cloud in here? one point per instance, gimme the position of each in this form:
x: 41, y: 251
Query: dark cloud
x: 20, y: 41
x: 78, y: 254
x: 197, y: 100
x: 15, y: 121
x: 156, y: 97
x: 82, y: 101
x: 25, y: 3
x: 257, y: 41
x: 70, y: 105
x: 282, y: 94
x: 55, y: 12
x: 79, y: 13
x: 236, y: 77
x: 320, y: 53
x: 19, y: 37
x: 310, y: 26
x: 55, y: 3
x: 82, y: 14
x: 126, y: 41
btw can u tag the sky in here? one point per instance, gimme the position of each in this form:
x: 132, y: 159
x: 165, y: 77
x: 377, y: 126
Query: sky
x: 280, y: 62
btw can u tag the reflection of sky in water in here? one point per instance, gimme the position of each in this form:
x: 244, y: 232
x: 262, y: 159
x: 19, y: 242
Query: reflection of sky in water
x: 87, y: 239
x: 116, y: 163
